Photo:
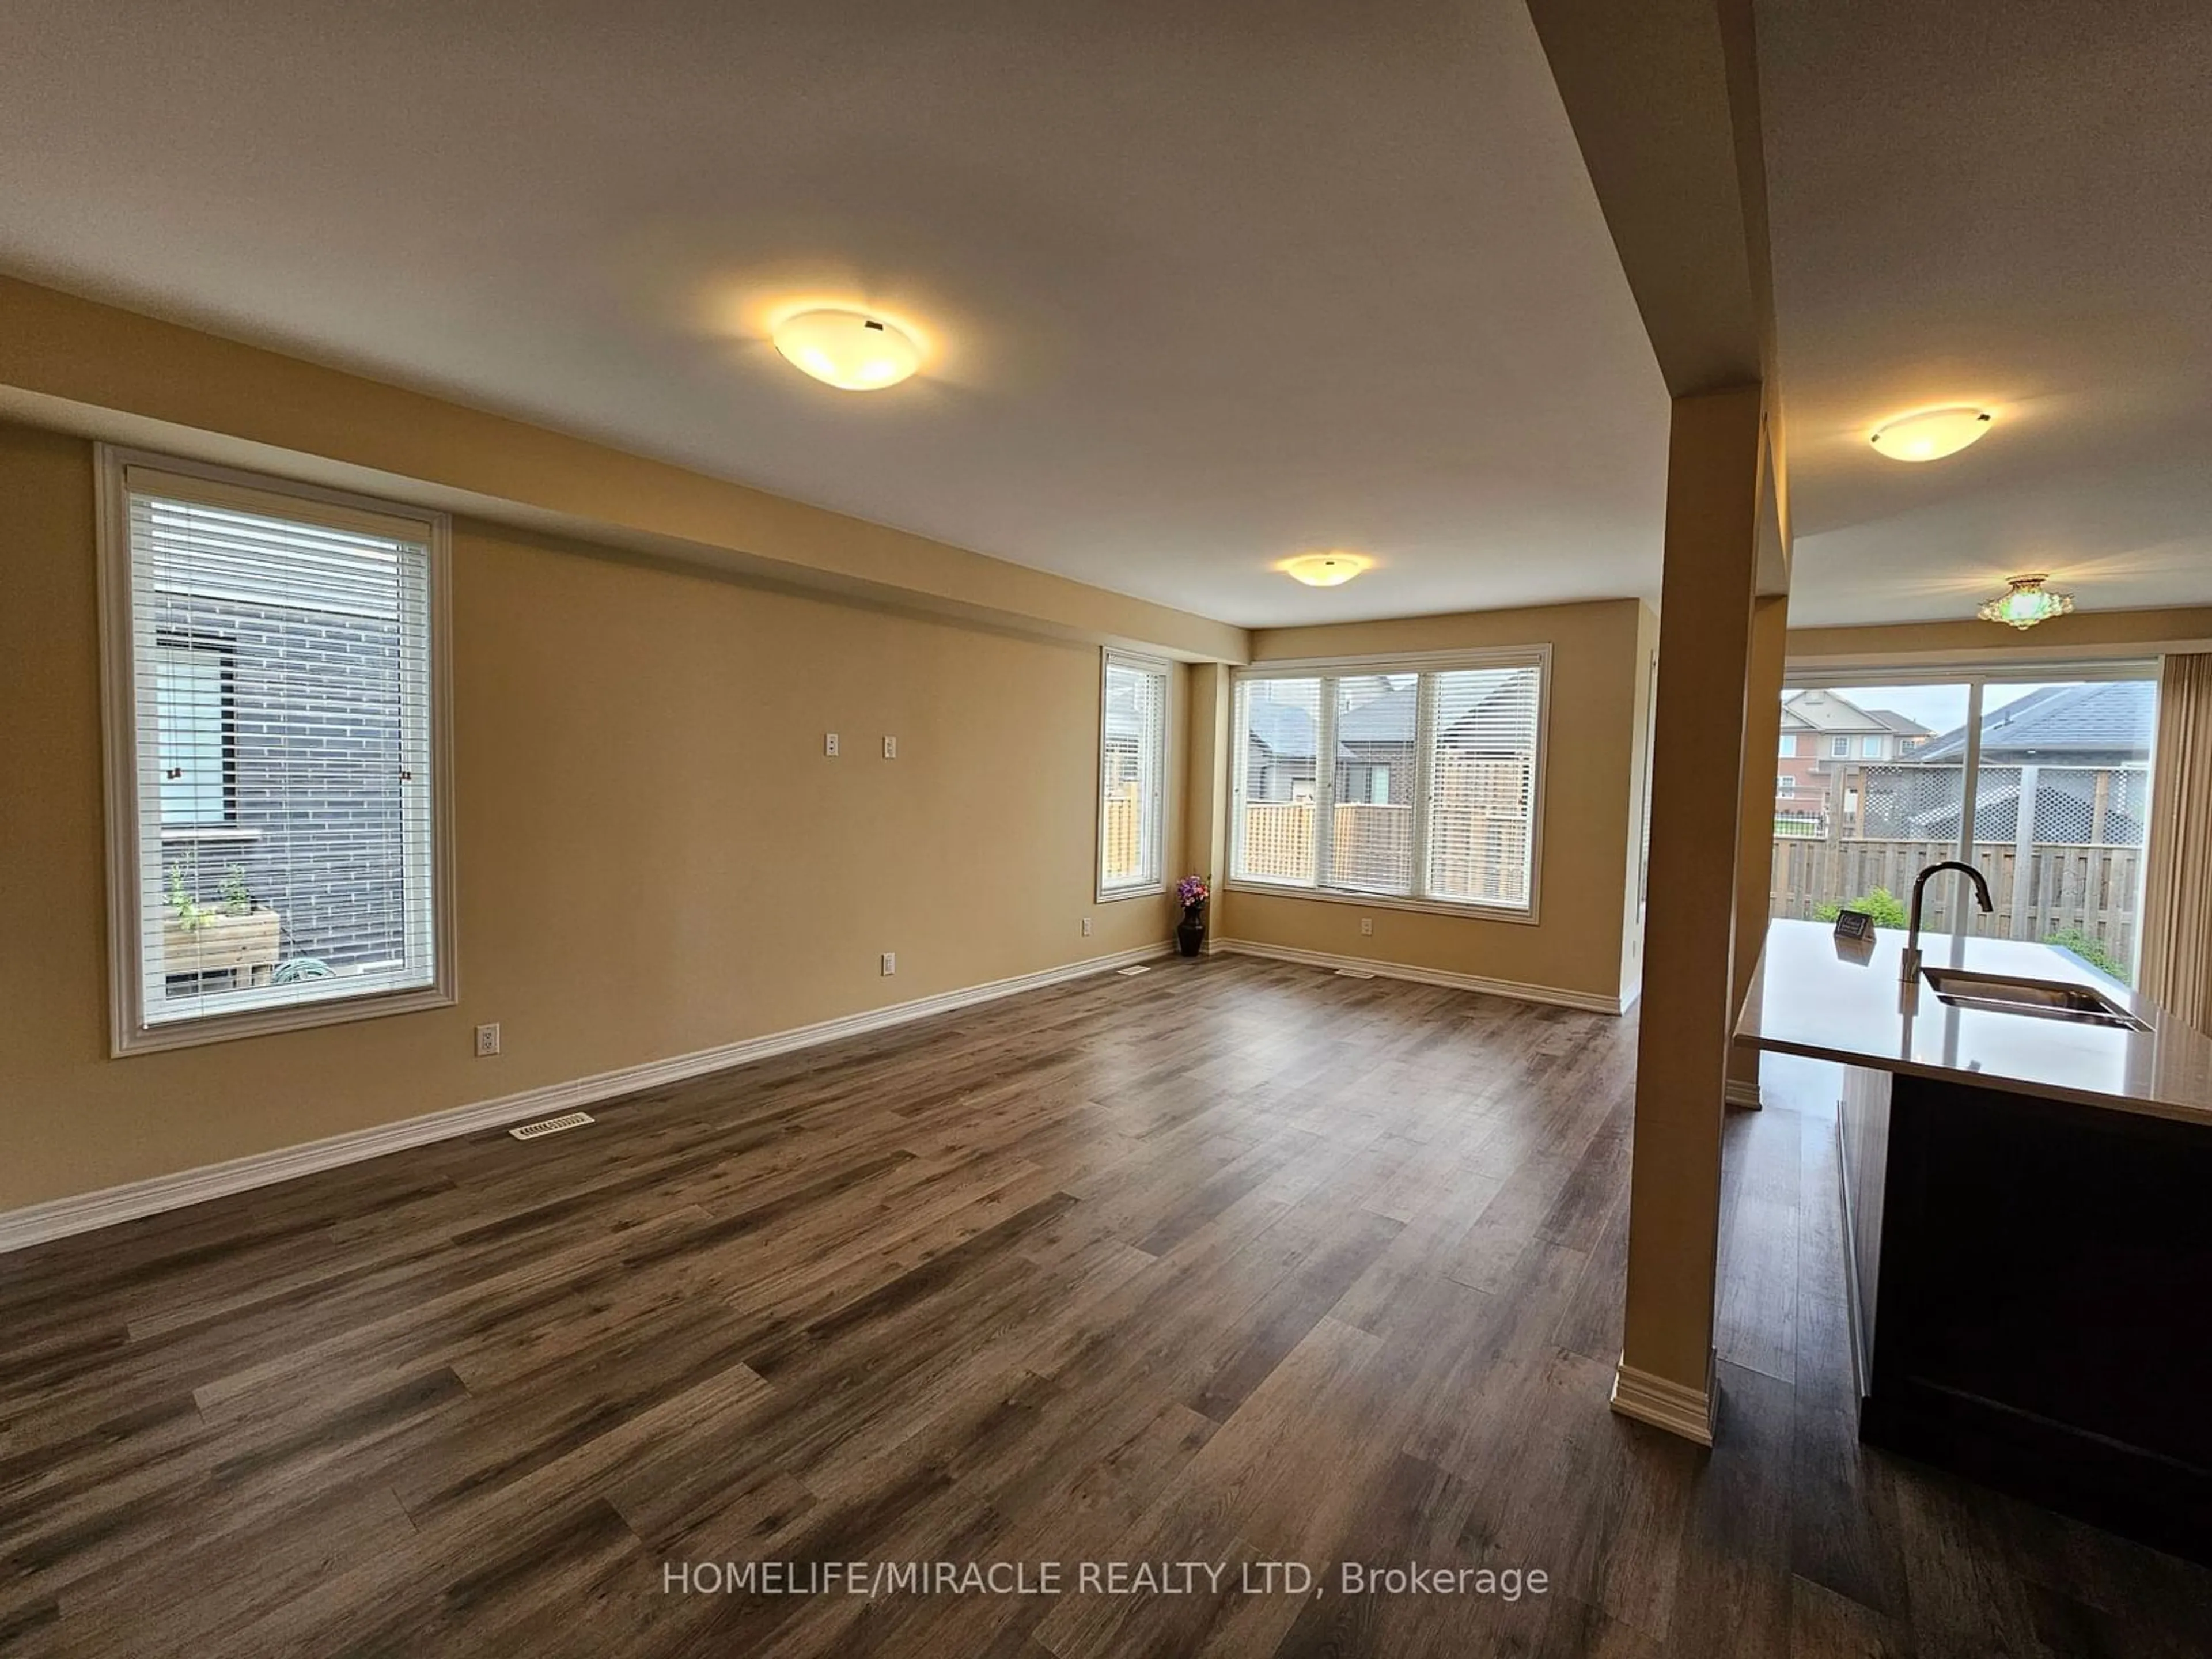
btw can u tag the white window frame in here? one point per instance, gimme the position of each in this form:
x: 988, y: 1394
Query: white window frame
x: 1538, y: 657
x: 1153, y: 823
x: 129, y: 1031
x: 1975, y: 673
x: 1839, y: 748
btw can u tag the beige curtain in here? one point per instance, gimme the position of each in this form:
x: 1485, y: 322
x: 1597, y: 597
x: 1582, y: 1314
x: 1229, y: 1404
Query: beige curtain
x: 2177, y: 946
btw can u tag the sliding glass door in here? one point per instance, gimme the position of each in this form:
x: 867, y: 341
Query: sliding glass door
x: 2041, y: 780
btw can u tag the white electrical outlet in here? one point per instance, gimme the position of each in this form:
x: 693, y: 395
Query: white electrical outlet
x: 890, y: 964
x: 1367, y: 927
x: 891, y: 748
x: 1086, y: 927
x: 487, y: 1040
x: 829, y: 744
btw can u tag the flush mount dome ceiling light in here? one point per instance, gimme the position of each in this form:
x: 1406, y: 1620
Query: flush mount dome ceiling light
x: 2028, y: 602
x: 1326, y: 569
x: 848, y: 350
x: 1931, y: 433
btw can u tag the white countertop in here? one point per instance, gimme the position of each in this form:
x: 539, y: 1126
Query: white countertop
x: 1841, y: 1000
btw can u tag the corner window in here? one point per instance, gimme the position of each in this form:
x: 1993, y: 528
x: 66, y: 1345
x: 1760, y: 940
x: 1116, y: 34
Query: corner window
x: 274, y: 678
x: 1132, y: 764
x: 1413, y: 779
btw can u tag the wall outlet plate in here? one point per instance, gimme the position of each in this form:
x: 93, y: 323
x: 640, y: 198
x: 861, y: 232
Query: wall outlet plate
x: 891, y: 748
x: 487, y: 1040
x: 829, y: 744
x: 1086, y: 927
x: 890, y: 964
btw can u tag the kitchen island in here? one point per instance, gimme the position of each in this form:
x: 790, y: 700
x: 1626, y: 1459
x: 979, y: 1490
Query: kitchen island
x: 2027, y: 1154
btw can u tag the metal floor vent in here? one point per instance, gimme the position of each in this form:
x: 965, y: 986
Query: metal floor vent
x: 552, y: 1126
x: 1132, y: 971
x: 1353, y: 973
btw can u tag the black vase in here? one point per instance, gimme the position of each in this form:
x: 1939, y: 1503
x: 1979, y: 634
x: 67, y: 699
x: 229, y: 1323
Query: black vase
x: 1190, y: 932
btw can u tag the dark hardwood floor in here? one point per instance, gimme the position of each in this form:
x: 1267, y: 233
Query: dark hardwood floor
x: 1231, y: 1262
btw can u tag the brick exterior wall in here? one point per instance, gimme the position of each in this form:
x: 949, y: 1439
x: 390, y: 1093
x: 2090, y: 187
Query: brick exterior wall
x: 314, y: 722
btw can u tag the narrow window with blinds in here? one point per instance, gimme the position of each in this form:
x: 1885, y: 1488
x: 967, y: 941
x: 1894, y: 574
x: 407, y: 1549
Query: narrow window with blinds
x: 273, y: 664
x: 1418, y: 782
x: 1132, y: 744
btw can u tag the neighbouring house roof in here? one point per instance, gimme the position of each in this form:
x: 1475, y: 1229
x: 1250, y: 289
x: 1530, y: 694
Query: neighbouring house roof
x: 1284, y: 729
x: 1386, y: 720
x: 1900, y: 723
x: 2103, y: 717
x: 1832, y: 713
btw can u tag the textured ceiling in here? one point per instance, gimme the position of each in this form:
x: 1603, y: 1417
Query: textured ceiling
x: 1206, y: 286
x: 2000, y: 202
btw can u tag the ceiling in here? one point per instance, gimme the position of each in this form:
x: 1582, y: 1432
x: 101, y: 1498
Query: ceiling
x: 1205, y: 286
x: 1999, y: 202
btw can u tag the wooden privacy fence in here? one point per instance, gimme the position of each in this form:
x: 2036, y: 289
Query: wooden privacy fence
x: 2043, y: 889
x: 1477, y: 856
x: 1278, y: 838
x: 1123, y: 831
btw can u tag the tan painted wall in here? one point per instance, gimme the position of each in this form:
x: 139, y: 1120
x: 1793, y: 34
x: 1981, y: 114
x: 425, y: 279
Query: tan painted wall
x: 1591, y: 778
x: 2086, y: 632
x: 654, y: 857
x: 75, y: 365
x: 1206, y: 786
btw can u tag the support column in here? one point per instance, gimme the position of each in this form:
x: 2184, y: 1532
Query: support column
x: 1755, y: 865
x: 1712, y: 547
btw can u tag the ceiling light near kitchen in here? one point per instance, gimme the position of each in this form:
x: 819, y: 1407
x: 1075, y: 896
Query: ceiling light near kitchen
x: 1326, y: 569
x: 1931, y: 433
x: 847, y: 350
x: 2028, y: 602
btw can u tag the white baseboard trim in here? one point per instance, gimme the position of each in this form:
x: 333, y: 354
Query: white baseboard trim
x: 60, y: 1217
x: 1747, y: 1095
x: 1588, y: 1001
x: 1690, y: 1412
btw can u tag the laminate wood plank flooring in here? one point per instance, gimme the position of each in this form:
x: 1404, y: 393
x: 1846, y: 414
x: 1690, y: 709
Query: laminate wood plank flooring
x: 1235, y: 1262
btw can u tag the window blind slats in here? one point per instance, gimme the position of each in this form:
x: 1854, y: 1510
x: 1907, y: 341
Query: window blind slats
x: 1132, y: 775
x: 1416, y: 783
x: 281, y: 670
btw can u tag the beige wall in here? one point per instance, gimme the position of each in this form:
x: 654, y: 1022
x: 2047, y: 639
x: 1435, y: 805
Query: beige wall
x: 75, y: 365
x: 1591, y: 781
x: 2085, y: 634
x: 654, y: 857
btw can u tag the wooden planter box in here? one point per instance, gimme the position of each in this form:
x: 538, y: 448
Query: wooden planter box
x: 245, y: 947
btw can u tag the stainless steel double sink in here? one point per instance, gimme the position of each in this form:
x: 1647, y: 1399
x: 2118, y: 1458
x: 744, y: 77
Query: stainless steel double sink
x: 2044, y: 999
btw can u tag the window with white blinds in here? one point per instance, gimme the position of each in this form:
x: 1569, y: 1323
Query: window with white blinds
x: 1413, y: 779
x: 1133, y: 759
x: 274, y: 659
